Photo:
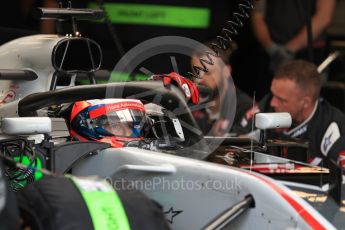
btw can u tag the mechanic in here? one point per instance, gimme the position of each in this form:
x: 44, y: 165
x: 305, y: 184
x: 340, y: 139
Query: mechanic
x: 280, y: 28
x: 113, y: 121
x: 295, y: 89
x: 217, y: 117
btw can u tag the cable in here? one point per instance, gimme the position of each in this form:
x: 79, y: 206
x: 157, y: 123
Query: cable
x: 223, y: 41
x: 252, y: 138
x: 18, y: 177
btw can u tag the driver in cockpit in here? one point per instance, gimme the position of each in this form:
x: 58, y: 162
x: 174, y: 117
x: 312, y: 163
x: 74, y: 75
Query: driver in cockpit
x: 113, y: 121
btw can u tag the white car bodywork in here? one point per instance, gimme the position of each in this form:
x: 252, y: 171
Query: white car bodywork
x: 276, y: 207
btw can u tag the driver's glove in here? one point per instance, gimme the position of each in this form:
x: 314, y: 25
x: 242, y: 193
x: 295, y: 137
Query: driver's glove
x: 189, y: 89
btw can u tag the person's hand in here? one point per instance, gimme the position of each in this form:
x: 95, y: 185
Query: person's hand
x: 220, y: 127
x: 249, y: 115
x: 187, y: 86
x: 279, y: 55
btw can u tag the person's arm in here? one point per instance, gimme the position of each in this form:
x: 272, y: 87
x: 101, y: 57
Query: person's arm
x: 332, y: 143
x: 320, y: 21
x: 48, y: 26
x: 337, y: 152
x: 259, y: 25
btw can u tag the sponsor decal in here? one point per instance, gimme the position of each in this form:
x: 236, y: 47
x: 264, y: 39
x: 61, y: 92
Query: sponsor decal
x: 186, y: 90
x: 299, y: 131
x: 116, y: 106
x: 171, y: 214
x: 8, y: 97
x: 331, y: 135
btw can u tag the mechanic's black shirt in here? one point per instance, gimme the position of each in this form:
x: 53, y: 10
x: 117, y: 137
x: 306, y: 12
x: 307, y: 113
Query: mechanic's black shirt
x: 285, y: 18
x: 324, y: 130
x: 232, y: 110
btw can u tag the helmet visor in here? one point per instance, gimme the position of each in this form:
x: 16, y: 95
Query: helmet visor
x: 128, y: 123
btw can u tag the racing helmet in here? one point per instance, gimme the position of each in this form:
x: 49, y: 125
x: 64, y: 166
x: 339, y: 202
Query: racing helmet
x: 113, y: 121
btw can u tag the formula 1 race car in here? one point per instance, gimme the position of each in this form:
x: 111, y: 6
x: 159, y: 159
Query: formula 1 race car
x: 182, y: 173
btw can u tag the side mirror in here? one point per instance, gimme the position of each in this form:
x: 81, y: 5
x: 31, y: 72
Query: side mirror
x: 265, y: 121
x: 26, y: 125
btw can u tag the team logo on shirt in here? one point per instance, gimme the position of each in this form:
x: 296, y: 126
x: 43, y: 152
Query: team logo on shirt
x: 331, y: 136
x: 299, y: 132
